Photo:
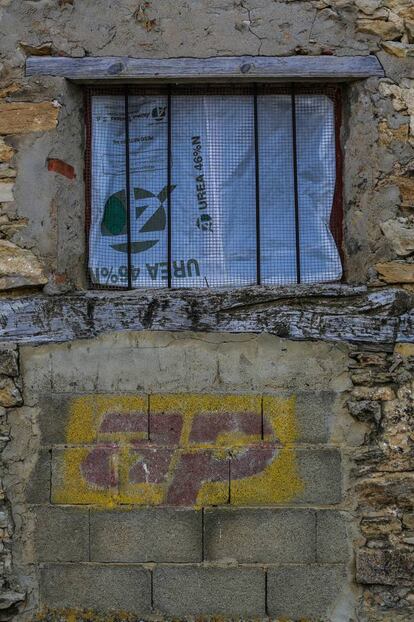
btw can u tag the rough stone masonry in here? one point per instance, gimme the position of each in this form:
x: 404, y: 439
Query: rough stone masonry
x: 226, y: 455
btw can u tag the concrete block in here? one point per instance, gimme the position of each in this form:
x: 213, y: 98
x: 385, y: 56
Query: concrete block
x: 108, y: 473
x: 208, y: 419
x: 198, y: 477
x: 201, y: 478
x: 98, y: 587
x: 53, y: 418
x: 149, y: 475
x: 201, y: 590
x: 146, y: 535
x: 98, y: 417
x: 268, y: 536
x: 321, y: 472
x: 61, y: 534
x: 331, y: 537
x: 268, y: 474
x: 84, y: 475
x: 313, y: 414
x: 165, y: 428
x: 302, y: 592
x: 38, y: 485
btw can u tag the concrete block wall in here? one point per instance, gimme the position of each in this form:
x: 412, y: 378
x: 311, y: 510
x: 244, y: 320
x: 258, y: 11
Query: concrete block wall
x: 226, y: 499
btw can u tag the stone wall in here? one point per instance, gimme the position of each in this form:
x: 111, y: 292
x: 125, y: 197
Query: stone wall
x: 332, y: 424
x: 383, y: 398
x: 11, y: 594
x: 41, y: 119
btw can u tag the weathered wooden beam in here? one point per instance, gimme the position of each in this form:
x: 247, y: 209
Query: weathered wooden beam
x: 118, y: 68
x: 330, y: 313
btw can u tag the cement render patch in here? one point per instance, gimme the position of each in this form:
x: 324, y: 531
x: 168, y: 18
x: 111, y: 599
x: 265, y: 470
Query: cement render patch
x: 178, y: 362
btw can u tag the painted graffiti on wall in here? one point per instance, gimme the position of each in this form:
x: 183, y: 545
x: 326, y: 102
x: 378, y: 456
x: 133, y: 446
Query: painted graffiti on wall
x: 189, y: 450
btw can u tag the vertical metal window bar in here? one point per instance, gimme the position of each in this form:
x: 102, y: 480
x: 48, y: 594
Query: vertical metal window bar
x: 257, y: 182
x: 295, y: 181
x: 169, y: 164
x: 128, y: 187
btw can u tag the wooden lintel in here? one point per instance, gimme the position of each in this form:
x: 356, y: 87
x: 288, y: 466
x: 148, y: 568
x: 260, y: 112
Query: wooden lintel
x: 118, y: 69
x: 330, y: 313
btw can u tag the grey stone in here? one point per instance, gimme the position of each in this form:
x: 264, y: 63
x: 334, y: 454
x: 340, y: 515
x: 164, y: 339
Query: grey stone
x: 304, y: 591
x: 38, y: 485
x: 384, y: 567
x: 400, y: 231
x: 9, y: 392
x: 365, y: 410
x: 260, y: 535
x: 8, y: 362
x: 61, y: 534
x: 98, y: 587
x: 10, y: 598
x: 203, y: 590
x: 145, y: 535
x: 6, y: 192
x: 331, y: 537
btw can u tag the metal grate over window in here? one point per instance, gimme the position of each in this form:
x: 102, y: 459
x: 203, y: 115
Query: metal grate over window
x: 213, y: 185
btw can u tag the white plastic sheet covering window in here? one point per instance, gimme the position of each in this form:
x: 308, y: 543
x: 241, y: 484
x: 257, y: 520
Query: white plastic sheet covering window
x: 213, y: 191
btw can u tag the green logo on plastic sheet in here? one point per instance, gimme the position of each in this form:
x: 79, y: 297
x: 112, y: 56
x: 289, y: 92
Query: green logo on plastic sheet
x: 114, y: 220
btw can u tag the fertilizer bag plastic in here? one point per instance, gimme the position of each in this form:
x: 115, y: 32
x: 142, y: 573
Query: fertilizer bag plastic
x: 212, y: 190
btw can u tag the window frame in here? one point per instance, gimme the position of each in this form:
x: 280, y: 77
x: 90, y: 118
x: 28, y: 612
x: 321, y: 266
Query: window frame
x: 333, y: 90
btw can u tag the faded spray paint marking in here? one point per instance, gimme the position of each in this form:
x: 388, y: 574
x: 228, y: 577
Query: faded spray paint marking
x: 191, y: 450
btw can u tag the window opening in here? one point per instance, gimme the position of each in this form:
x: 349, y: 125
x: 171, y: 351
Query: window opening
x: 213, y: 185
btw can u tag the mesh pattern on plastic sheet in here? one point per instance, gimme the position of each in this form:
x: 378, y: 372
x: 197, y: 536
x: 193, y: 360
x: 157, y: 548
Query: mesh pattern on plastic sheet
x: 227, y: 185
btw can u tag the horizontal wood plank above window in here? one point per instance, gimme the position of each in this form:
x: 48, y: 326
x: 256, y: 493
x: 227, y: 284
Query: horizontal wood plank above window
x: 118, y: 68
x: 327, y: 312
